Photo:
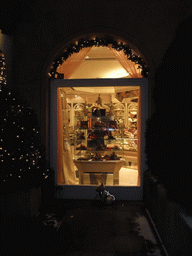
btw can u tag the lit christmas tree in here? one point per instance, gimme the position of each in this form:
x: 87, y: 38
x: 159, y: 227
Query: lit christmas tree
x: 22, y: 165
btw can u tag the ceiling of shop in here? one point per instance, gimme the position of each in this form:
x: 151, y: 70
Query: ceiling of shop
x: 100, y: 63
x: 90, y: 94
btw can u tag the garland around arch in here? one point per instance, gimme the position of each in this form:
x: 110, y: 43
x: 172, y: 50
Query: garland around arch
x: 99, y: 42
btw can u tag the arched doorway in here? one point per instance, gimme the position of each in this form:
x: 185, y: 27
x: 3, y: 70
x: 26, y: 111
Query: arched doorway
x: 98, y: 139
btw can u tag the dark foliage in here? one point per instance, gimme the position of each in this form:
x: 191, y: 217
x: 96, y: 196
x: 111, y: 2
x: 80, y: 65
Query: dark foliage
x: 168, y: 136
x: 23, y: 161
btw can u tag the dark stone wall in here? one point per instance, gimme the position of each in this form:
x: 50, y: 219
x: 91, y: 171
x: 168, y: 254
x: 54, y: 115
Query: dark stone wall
x: 148, y: 25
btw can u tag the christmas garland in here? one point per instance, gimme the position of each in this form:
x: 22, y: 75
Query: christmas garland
x: 99, y: 42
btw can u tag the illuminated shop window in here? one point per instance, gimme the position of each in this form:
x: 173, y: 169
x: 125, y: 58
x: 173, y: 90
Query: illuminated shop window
x: 98, y: 127
x: 98, y: 136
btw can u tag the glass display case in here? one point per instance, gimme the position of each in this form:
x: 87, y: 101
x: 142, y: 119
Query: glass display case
x: 98, y: 137
x: 104, y: 133
x: 99, y: 144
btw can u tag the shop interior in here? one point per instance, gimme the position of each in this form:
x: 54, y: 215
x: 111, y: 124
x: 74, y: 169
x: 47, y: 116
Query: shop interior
x: 100, y: 135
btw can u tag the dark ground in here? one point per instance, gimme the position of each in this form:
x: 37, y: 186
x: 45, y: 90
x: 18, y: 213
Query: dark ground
x: 81, y: 228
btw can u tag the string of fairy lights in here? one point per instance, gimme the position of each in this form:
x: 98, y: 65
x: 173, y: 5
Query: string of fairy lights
x: 98, y: 42
x: 3, y: 76
x: 20, y: 155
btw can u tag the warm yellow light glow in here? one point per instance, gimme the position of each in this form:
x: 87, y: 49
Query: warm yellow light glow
x: 119, y: 73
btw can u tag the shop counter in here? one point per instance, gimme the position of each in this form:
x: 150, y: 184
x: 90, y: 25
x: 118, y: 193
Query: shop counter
x: 108, y: 166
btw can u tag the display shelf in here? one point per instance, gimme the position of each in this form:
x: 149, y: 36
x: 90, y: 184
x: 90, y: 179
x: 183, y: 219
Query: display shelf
x: 102, y: 138
x: 99, y: 140
x: 132, y: 115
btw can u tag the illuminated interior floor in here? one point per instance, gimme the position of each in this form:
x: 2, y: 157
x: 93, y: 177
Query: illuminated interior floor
x: 127, y: 177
